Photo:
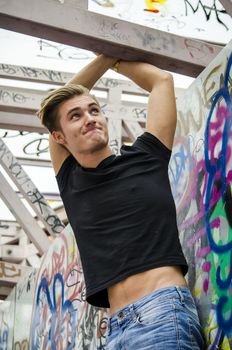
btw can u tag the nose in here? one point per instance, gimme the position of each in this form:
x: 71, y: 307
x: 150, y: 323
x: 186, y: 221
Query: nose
x: 90, y: 119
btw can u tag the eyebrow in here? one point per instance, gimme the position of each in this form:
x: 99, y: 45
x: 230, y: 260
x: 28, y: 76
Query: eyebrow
x: 78, y: 108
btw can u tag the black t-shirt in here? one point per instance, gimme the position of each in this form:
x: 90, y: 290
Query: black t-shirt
x: 123, y: 215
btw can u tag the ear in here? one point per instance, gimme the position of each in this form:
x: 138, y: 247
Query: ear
x: 58, y: 137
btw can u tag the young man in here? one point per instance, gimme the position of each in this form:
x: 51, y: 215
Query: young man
x: 122, y: 211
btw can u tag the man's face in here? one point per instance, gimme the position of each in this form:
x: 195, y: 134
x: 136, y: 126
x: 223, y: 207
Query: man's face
x: 84, y: 128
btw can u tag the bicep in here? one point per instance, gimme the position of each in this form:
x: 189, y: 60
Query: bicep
x: 58, y: 154
x: 161, y: 113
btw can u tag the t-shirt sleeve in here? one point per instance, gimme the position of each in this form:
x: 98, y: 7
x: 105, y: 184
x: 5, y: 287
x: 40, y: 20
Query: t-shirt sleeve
x: 64, y: 172
x: 151, y: 144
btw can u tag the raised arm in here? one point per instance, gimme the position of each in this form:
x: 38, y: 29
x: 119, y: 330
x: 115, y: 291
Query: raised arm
x: 87, y: 77
x: 161, y: 112
x: 90, y: 74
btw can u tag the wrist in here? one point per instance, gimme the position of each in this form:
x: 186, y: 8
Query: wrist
x: 108, y: 60
x: 115, y: 67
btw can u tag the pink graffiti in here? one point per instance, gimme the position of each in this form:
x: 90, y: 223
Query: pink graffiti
x: 203, y: 252
x: 206, y: 266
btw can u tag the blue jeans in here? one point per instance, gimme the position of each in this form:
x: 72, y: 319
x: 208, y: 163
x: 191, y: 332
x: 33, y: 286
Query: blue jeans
x: 163, y: 320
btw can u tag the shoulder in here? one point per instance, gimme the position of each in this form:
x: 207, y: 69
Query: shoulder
x: 148, y: 142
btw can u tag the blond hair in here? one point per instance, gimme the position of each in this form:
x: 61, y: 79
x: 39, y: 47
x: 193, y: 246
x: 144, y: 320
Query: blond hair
x: 48, y: 112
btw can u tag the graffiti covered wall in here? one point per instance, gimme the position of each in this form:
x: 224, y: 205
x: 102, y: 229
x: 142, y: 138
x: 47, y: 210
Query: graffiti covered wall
x: 200, y: 174
x: 192, y: 18
x: 61, y: 318
x: 7, y: 313
x: 25, y: 290
x: 48, y: 309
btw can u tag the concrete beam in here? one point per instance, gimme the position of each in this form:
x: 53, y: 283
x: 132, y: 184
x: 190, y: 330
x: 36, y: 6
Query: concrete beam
x: 30, y: 192
x: 45, y: 163
x: 87, y: 30
x: 18, y: 253
x: 11, y: 240
x: 54, y: 77
x: 24, y: 73
x: 77, y: 3
x: 21, y: 122
x: 27, y: 101
x: 13, y: 253
x: 133, y: 129
x: 24, y: 218
x: 227, y: 5
x: 20, y: 100
x: 10, y: 232
x: 5, y: 291
x: 12, y: 273
x: 9, y: 229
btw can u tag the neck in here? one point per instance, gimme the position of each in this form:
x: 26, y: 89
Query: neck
x: 91, y: 160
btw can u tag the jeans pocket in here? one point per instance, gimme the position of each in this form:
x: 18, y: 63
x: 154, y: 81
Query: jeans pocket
x: 160, y: 311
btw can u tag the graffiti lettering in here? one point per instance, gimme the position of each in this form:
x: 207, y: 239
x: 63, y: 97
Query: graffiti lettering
x: 35, y: 73
x: 5, y: 68
x: 157, y: 42
x: 11, y: 133
x: 4, y: 339
x: 36, y: 147
x: 114, y: 146
x: 32, y: 73
x: 8, y: 270
x: 217, y: 153
x: 139, y: 113
x: 9, y: 97
x: 60, y: 51
x: 24, y: 345
x: 55, y: 223
x: 199, y: 50
x: 61, y: 314
x: 208, y: 10
x: 26, y: 185
x: 109, y: 83
x: 110, y: 31
x: 37, y: 198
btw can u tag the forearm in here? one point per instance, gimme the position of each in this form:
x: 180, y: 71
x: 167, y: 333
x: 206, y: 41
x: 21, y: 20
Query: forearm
x: 93, y: 71
x: 143, y: 74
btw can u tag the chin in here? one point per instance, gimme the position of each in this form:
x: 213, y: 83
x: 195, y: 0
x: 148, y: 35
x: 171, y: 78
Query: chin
x: 95, y: 143
x: 100, y: 147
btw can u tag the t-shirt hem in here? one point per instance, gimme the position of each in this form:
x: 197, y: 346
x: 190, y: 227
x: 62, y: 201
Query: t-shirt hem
x: 121, y: 277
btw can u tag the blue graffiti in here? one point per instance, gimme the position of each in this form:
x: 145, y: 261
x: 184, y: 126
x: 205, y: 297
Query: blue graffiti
x: 57, y: 315
x: 217, y: 177
x: 4, y: 340
x: 224, y: 324
x: 179, y: 161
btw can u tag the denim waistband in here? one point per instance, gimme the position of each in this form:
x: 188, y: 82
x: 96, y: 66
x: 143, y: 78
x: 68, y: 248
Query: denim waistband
x: 128, y: 313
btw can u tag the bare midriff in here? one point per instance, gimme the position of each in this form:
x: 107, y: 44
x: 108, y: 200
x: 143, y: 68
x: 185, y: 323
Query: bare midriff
x: 139, y: 285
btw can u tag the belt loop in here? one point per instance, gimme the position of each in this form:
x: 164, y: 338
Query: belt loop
x: 134, y: 313
x: 179, y: 291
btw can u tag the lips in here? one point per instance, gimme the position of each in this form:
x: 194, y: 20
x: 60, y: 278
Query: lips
x: 92, y: 129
